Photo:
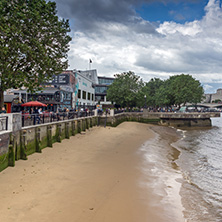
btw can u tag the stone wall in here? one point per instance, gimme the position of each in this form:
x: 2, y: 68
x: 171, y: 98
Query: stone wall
x: 19, y: 144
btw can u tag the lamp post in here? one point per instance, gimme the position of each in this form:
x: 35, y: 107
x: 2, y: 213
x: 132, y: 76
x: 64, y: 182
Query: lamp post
x: 145, y: 101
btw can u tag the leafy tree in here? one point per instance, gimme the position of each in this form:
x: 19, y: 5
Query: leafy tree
x: 163, y: 96
x: 124, y: 90
x: 150, y: 90
x: 216, y: 101
x: 184, y: 88
x: 34, y: 44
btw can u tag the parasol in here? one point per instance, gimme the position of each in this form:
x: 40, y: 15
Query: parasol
x: 33, y: 103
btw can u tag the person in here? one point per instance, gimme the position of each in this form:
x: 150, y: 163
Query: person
x: 32, y: 113
x: 37, y: 117
x: 3, y: 110
x: 40, y: 111
x: 58, y: 115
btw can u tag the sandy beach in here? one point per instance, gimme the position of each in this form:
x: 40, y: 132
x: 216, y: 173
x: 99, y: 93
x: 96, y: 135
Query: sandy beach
x: 93, y: 176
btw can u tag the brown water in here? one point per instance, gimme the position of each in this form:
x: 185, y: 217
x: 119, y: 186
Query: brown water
x: 187, y: 172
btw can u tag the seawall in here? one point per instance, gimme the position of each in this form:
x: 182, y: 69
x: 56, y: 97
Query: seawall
x: 19, y: 142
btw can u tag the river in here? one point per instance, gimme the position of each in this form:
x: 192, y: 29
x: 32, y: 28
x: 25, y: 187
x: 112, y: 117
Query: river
x: 187, y: 172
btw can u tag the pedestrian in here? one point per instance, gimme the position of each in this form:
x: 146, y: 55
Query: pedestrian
x: 3, y: 110
x: 37, y: 117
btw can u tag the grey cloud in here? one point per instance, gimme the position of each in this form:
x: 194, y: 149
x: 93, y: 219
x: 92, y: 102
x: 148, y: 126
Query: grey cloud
x: 200, y: 60
x: 88, y: 14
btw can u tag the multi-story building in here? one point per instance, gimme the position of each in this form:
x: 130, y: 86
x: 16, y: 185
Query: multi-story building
x: 73, y: 89
x: 101, y: 89
x: 85, y: 91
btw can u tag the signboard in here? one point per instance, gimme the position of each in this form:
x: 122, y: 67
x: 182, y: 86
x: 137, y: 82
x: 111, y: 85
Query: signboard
x: 61, y: 79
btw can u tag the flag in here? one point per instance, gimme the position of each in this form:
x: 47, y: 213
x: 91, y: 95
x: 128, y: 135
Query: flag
x: 90, y: 61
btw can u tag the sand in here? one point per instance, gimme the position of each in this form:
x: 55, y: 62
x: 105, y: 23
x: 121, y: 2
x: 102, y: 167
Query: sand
x: 93, y: 176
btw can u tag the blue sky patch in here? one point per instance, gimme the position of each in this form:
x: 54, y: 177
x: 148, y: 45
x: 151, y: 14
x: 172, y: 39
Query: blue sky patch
x: 178, y: 12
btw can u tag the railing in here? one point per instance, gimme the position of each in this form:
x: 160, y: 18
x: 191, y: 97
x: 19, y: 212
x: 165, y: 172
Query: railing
x: 34, y: 119
x: 3, y: 123
x: 127, y: 110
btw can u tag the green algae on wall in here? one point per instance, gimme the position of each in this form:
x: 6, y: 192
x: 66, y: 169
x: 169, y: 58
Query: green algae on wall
x: 3, y: 161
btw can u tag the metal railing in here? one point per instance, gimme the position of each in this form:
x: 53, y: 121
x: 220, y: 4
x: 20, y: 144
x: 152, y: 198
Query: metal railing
x: 34, y: 119
x: 3, y: 123
x: 127, y: 110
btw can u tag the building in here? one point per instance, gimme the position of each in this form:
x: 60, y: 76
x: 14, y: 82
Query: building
x: 85, y: 91
x: 12, y: 103
x: 53, y: 97
x: 214, y: 97
x: 73, y: 89
x: 101, y: 89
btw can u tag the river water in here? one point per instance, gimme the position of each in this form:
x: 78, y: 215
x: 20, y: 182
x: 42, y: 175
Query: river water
x: 186, y: 172
x: 200, y: 162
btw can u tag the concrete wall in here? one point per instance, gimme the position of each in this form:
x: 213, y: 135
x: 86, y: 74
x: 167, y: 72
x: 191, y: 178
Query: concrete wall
x: 19, y: 144
x: 166, y: 119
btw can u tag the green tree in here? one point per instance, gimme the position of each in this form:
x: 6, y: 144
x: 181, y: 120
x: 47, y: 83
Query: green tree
x: 34, y: 44
x: 184, y: 88
x: 124, y: 90
x: 150, y: 90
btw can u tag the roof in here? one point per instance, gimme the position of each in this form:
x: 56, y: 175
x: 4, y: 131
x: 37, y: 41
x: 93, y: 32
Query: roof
x: 48, y: 90
x: 10, y: 98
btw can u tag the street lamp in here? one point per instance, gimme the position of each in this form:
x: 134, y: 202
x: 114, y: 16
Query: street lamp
x: 145, y: 101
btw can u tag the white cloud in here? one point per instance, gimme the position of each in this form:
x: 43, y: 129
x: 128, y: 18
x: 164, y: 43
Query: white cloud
x: 170, y: 48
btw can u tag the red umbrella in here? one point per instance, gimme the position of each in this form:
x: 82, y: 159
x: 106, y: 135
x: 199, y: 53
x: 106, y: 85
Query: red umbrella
x: 34, y: 103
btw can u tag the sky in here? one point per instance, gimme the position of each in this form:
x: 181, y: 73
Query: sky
x: 152, y: 38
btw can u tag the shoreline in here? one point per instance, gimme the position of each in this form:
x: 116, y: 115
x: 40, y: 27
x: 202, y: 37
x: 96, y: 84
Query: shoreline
x: 171, y: 174
x: 93, y: 176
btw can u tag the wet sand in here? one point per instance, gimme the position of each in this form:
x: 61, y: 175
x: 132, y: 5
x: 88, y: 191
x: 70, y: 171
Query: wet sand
x: 93, y: 176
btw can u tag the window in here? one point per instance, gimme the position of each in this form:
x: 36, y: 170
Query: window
x: 84, y: 94
x: 92, y: 97
x: 88, y: 96
x: 101, y: 89
x: 79, y: 94
x: 105, y: 81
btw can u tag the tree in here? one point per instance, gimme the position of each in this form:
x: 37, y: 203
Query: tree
x: 184, y: 88
x: 34, y: 44
x: 124, y: 90
x: 150, y: 90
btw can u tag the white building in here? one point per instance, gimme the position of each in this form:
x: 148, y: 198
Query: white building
x: 85, y: 91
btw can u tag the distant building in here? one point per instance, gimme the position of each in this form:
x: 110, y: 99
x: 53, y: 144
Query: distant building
x: 53, y: 97
x: 85, y: 92
x: 71, y: 89
x: 101, y: 89
x: 12, y: 103
x: 214, y: 97
x: 80, y: 84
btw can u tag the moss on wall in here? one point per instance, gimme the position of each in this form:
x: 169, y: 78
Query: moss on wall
x: 43, y: 143
x: 49, y: 136
x: 30, y: 148
x: 11, y: 156
x: 67, y: 130
x: 3, y: 161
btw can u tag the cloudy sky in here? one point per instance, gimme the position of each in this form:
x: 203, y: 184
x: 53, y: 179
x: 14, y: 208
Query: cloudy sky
x: 153, y: 38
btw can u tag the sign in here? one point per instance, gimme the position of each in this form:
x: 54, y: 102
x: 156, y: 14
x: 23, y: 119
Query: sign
x: 61, y: 79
